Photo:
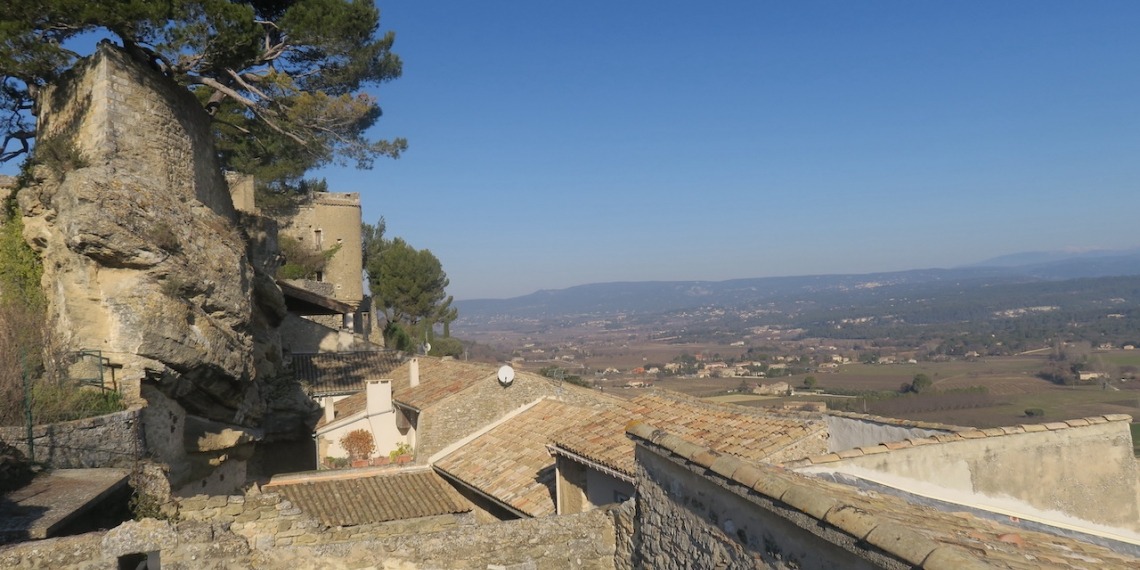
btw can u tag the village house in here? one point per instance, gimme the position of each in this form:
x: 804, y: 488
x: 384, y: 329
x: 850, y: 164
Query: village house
x: 776, y: 389
x: 505, y: 469
x: 436, y: 402
x: 595, y: 463
x: 1089, y: 375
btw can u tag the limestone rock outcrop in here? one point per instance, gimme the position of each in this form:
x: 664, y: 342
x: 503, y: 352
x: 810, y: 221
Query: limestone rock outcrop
x: 145, y: 257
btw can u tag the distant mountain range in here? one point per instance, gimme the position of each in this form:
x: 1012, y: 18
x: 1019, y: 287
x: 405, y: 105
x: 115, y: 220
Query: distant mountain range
x: 1031, y: 258
x: 650, y: 297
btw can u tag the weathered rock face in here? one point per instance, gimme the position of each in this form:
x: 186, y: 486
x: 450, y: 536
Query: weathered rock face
x: 144, y: 256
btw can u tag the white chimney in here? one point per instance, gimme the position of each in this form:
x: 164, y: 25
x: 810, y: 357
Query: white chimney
x: 330, y: 410
x: 379, y: 397
x: 414, y: 372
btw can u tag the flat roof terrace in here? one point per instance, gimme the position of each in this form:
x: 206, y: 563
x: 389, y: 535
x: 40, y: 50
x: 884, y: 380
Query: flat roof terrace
x: 53, y: 500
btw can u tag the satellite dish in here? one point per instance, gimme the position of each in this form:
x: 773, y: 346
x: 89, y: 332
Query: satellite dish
x: 425, y: 348
x: 506, y: 375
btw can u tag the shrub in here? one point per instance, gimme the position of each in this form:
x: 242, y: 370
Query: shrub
x: 401, y: 449
x: 163, y: 236
x: 358, y: 443
x: 1034, y: 412
x: 301, y: 262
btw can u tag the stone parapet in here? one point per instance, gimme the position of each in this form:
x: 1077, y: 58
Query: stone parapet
x: 264, y: 531
x: 110, y: 440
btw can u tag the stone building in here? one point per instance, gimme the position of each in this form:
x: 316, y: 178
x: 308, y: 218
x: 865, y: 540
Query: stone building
x: 595, y: 461
x: 325, y: 221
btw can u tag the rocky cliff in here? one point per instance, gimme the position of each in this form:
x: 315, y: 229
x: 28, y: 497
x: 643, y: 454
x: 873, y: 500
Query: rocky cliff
x: 145, y: 258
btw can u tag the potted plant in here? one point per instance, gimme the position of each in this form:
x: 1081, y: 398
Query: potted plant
x: 359, y: 445
x: 402, y: 453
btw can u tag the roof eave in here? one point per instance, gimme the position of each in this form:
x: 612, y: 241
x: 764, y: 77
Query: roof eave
x: 556, y: 449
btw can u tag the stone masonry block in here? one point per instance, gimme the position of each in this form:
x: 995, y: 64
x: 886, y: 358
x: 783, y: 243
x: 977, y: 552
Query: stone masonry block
x: 195, y: 503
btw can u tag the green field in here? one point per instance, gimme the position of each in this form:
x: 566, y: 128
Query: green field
x: 1120, y: 357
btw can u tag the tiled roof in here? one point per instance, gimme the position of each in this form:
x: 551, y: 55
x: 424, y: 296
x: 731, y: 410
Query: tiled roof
x: 334, y: 373
x: 438, y: 379
x: 355, y: 498
x: 923, y: 536
x: 743, y: 432
x: 346, y: 407
x: 510, y: 462
x: 966, y: 433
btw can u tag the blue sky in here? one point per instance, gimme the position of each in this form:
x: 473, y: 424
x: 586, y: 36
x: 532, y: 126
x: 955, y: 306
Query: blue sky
x: 555, y: 143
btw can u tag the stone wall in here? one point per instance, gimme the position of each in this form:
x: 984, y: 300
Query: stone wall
x: 268, y: 521
x: 326, y: 221
x: 115, y: 108
x: 265, y: 531
x: 110, y: 440
x: 484, y: 403
x: 688, y: 520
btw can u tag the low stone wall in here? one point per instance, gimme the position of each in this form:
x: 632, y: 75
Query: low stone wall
x: 269, y: 520
x: 110, y: 440
x: 267, y: 532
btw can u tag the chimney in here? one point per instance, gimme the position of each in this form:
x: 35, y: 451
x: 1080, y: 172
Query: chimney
x: 379, y: 397
x: 330, y: 411
x: 414, y: 372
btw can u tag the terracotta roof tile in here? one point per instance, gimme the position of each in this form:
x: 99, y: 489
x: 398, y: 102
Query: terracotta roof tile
x: 744, y: 432
x: 337, y: 373
x: 511, y: 463
x: 346, y: 407
x: 439, y: 379
x: 922, y: 535
x: 355, y: 499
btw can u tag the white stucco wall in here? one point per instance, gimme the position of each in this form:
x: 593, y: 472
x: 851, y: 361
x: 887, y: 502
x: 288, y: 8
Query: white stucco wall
x: 379, y: 419
x: 849, y: 433
x: 1086, y: 473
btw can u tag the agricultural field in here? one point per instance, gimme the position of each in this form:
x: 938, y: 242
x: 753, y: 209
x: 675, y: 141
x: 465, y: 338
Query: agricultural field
x: 983, y: 393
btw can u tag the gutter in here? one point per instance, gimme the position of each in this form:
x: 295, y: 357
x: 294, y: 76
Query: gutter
x: 554, y: 449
